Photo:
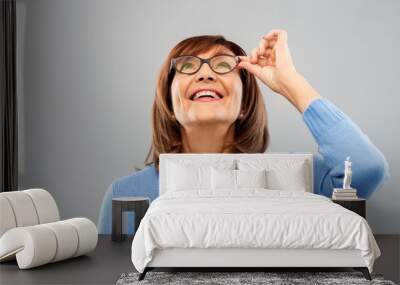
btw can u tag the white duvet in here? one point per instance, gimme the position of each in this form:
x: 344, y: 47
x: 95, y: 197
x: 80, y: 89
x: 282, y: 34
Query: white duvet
x: 251, y: 218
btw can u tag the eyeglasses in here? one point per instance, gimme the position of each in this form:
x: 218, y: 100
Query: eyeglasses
x: 190, y: 64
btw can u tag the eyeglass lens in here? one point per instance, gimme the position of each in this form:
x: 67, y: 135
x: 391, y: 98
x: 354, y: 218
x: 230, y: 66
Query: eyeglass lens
x: 219, y: 64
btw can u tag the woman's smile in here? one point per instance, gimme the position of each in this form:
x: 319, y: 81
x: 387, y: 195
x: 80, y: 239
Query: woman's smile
x: 207, y: 99
x: 206, y: 95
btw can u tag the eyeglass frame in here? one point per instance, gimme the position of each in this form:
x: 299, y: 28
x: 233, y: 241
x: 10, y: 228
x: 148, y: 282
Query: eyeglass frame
x: 203, y: 60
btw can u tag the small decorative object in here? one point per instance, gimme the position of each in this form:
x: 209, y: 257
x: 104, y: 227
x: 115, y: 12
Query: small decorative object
x: 347, y: 192
x: 347, y: 174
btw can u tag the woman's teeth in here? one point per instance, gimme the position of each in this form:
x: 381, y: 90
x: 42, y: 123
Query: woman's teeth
x: 206, y: 95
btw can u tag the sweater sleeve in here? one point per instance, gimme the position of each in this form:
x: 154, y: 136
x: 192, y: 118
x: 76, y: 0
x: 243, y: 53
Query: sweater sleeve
x: 142, y: 183
x: 104, y: 223
x: 337, y: 137
x: 104, y: 220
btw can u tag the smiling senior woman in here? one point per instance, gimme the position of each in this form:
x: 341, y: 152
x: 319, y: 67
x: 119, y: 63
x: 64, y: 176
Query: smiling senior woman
x: 208, y: 101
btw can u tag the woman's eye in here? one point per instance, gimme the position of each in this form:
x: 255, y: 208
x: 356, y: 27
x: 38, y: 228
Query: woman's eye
x: 188, y: 65
x: 223, y: 64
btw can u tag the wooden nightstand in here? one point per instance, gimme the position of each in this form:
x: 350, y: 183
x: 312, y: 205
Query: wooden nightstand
x: 356, y: 205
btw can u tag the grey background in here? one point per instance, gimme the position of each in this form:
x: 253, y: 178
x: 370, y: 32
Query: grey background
x: 87, y: 73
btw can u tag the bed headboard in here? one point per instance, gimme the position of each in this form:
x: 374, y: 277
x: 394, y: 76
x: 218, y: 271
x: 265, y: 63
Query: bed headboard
x: 214, y: 158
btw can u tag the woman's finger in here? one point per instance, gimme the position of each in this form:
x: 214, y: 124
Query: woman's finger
x: 270, y: 41
x: 273, y: 33
x: 252, y: 68
x: 243, y: 57
x: 282, y: 38
x: 254, y: 55
x: 262, y: 46
x: 283, y: 56
x: 276, y: 36
x: 261, y: 49
x: 268, y: 52
x: 248, y: 58
x: 271, y: 60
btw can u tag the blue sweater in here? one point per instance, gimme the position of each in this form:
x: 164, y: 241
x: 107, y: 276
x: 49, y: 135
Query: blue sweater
x: 337, y: 137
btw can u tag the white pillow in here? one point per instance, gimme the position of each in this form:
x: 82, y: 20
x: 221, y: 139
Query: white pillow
x: 288, y: 179
x: 188, y: 177
x: 223, y: 179
x: 282, y: 174
x: 236, y: 179
x: 252, y: 178
x: 291, y: 180
x: 192, y: 174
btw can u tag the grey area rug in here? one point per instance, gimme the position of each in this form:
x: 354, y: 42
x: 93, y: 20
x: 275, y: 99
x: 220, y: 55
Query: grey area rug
x: 225, y: 278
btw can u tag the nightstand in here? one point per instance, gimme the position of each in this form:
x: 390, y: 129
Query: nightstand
x: 358, y: 206
x: 139, y: 205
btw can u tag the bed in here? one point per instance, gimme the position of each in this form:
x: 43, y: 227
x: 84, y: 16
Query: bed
x: 244, y: 211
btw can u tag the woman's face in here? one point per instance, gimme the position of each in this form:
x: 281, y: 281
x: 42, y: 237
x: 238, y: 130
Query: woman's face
x: 191, y: 113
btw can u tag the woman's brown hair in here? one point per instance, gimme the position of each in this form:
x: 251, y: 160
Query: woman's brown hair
x: 250, y: 132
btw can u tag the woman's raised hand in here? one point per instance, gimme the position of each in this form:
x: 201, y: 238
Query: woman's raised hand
x: 271, y: 61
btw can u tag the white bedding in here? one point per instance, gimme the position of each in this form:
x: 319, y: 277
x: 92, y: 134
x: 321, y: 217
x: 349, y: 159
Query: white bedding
x: 250, y: 218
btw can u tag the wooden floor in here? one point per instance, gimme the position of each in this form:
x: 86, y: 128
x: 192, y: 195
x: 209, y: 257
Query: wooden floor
x: 111, y: 259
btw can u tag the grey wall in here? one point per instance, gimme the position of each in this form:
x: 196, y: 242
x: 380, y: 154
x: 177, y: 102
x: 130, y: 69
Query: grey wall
x: 87, y: 73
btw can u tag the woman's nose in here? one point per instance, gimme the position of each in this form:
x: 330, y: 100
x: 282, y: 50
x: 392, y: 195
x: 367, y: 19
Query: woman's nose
x: 205, y: 73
